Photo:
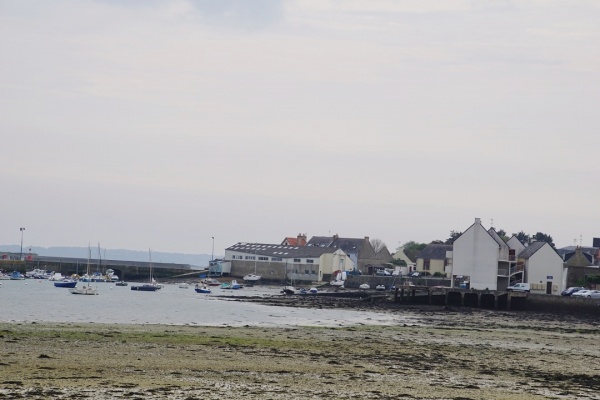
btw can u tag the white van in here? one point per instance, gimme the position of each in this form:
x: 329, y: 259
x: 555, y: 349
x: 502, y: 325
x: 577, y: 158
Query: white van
x: 519, y: 287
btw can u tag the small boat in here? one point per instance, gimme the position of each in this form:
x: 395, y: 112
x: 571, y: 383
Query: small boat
x: 4, y: 277
x: 289, y: 290
x: 183, y: 285
x: 121, y: 283
x: 251, y: 278
x: 233, y: 285
x: 210, y: 282
x: 202, y: 289
x: 313, y: 290
x: 16, y: 276
x: 85, y: 289
x: 153, y: 286
x: 148, y: 287
x: 364, y: 286
x: 66, y: 283
x: 380, y: 287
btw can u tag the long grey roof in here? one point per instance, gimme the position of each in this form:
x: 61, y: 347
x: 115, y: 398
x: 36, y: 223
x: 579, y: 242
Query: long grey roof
x: 277, y: 250
x: 496, y: 237
x: 435, y: 251
x: 348, y: 245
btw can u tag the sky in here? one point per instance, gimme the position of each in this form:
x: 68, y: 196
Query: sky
x: 157, y: 124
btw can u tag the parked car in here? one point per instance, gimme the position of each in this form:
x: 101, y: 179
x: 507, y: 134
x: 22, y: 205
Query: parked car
x: 414, y: 274
x: 571, y: 290
x: 519, y: 287
x: 590, y: 294
x: 382, y: 272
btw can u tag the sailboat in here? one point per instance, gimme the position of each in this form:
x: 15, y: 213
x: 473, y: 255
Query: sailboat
x: 87, y: 287
x: 252, y: 277
x: 153, y: 286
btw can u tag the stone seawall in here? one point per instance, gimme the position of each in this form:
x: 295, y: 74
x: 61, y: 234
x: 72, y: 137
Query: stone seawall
x: 562, y: 304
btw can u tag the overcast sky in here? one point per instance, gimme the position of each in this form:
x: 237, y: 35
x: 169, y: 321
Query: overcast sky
x: 162, y: 124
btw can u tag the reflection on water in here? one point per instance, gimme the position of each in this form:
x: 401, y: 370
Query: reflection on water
x: 40, y: 301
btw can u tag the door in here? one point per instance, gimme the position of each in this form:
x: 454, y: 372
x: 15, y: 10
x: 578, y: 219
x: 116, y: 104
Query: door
x: 548, y: 287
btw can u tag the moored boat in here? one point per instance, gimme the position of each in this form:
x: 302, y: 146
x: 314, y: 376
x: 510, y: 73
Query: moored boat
x: 16, y: 276
x: 364, y: 286
x: 66, y: 283
x: 202, y: 289
x: 121, y: 283
x: 210, y: 282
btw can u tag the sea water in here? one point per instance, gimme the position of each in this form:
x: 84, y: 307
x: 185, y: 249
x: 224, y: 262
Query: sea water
x: 40, y: 301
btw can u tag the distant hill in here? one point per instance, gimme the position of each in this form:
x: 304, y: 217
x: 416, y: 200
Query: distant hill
x: 198, y: 260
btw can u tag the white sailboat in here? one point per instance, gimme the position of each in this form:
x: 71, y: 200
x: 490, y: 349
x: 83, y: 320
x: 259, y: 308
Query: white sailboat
x: 153, y: 286
x: 87, y: 286
x: 253, y: 277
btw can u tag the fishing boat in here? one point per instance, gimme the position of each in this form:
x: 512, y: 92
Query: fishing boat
x: 153, y: 286
x: 289, y: 290
x: 183, y: 285
x: 87, y: 288
x: 202, y: 289
x: 121, y: 283
x: 66, y: 283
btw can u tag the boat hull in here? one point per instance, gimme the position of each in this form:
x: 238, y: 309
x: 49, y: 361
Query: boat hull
x: 69, y: 284
x: 145, y: 288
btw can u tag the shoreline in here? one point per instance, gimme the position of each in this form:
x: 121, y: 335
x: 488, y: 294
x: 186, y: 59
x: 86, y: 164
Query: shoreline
x: 440, y: 354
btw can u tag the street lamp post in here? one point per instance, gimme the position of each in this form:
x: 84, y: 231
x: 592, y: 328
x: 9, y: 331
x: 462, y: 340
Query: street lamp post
x: 21, y: 256
x: 212, y: 255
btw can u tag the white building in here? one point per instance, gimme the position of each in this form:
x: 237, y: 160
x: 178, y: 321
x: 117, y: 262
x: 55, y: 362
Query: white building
x: 279, y: 262
x: 483, y: 259
x: 543, y: 268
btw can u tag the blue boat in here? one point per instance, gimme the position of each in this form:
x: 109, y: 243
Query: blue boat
x: 16, y: 276
x: 202, y: 289
x: 66, y: 283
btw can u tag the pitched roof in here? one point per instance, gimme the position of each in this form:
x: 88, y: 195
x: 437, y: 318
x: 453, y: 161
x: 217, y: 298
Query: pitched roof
x: 496, y: 237
x: 275, y: 250
x: 531, y: 249
x: 435, y: 251
x: 348, y: 245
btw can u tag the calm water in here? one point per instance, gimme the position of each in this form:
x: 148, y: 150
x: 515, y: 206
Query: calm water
x: 38, y: 300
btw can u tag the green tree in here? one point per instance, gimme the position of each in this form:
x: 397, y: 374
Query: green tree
x: 523, y: 237
x: 542, y: 237
x: 411, y: 248
x: 453, y: 236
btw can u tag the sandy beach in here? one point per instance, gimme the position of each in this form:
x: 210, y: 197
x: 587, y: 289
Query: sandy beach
x: 441, y: 353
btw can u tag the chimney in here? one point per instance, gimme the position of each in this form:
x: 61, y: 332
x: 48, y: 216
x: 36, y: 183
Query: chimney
x: 367, y: 238
x: 478, y: 221
x: 301, y: 240
x: 335, y: 237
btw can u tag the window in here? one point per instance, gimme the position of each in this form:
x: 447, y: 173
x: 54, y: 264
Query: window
x: 306, y: 272
x: 309, y: 261
x: 236, y: 257
x: 426, y: 265
x: 263, y: 258
x: 276, y: 259
x: 296, y: 260
x: 250, y: 257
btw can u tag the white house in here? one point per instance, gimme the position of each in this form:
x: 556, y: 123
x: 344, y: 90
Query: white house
x: 543, y: 268
x: 483, y: 258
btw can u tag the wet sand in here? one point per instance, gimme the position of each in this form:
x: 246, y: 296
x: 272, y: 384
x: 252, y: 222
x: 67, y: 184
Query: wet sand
x: 440, y: 353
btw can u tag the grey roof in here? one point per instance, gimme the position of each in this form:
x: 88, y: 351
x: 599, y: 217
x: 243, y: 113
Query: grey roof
x: 496, y: 237
x: 569, y: 249
x: 348, y: 245
x: 435, y: 251
x: 277, y: 250
x: 531, y: 249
